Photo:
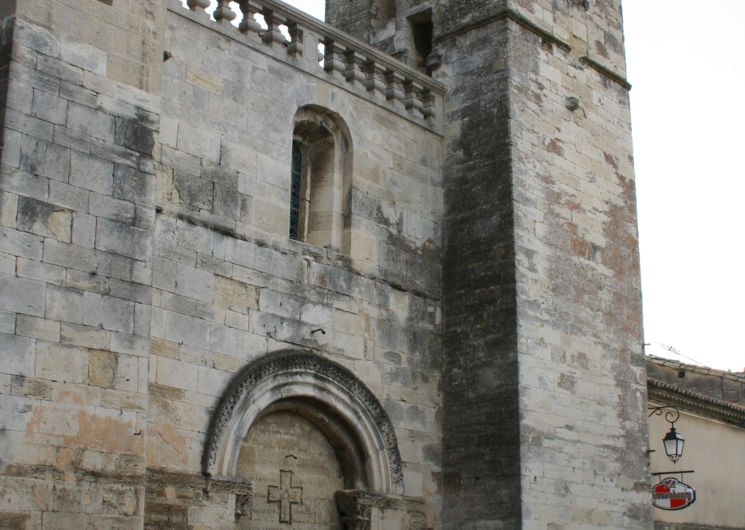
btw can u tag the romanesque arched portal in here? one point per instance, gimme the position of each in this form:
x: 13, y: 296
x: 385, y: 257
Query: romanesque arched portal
x: 309, y: 434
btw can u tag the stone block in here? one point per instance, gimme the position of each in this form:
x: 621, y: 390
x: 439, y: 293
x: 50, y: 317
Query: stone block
x: 11, y: 153
x: 7, y: 322
x: 112, y: 370
x: 79, y: 94
x: 129, y: 344
x: 36, y: 38
x: 72, y: 138
x: 194, y: 192
x: 21, y: 295
x: 134, y: 186
x: 17, y: 243
x: 193, y: 283
x: 175, y: 373
x: 90, y: 121
x: 187, y: 330
x: 235, y: 342
x: 67, y: 196
x: 31, y: 388
x: 91, y: 173
x: 18, y: 356
x: 65, y: 255
x: 36, y: 270
x: 83, y: 56
x: 83, y: 230
x: 123, y: 239
x: 24, y: 183
x: 132, y: 291
x: 29, y: 125
x: 164, y: 274
x: 18, y: 96
x: 142, y: 319
x: 63, y: 304
x: 39, y: 328
x: 168, y: 131
x: 109, y: 208
x: 131, y: 134
x: 56, y: 68
x: 49, y: 107
x: 44, y: 219
x: 200, y: 142
x: 234, y: 295
x: 108, y: 313
x: 212, y: 382
x: 85, y: 336
x: 88, y: 280
x: 239, y: 157
x: 279, y: 304
x: 237, y: 320
x: 45, y: 159
x: 180, y: 160
x: 58, y: 362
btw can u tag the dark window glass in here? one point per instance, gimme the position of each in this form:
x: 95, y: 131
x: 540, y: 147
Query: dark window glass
x: 296, y: 174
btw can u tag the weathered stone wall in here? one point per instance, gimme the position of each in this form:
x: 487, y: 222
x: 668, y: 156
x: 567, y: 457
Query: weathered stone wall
x: 560, y: 317
x: 77, y: 180
x: 146, y: 260
x: 229, y: 286
x: 481, y: 433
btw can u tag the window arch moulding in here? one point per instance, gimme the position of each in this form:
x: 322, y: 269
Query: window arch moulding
x: 321, y: 179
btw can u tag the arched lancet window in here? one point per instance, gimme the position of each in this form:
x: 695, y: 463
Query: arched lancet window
x: 320, y: 179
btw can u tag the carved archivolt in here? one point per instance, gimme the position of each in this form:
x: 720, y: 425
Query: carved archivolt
x: 324, y: 392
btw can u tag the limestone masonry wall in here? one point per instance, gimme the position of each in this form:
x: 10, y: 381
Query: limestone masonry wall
x: 145, y: 259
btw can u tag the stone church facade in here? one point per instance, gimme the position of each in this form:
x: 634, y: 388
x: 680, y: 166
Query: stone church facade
x: 244, y: 284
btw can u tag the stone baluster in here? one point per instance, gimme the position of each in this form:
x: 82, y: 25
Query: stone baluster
x: 428, y: 102
x: 334, y: 59
x: 248, y: 23
x: 354, y: 61
x: 375, y: 77
x: 295, y: 45
x: 223, y: 14
x: 198, y: 5
x: 412, y: 96
x: 272, y: 33
x: 394, y: 87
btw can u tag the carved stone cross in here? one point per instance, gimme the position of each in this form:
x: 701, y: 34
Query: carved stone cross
x: 286, y: 495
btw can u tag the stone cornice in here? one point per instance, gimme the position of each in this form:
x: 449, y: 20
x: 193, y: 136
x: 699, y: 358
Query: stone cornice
x: 659, y: 391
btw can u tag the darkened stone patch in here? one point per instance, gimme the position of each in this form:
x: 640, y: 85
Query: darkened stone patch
x: 133, y: 135
x: 194, y: 191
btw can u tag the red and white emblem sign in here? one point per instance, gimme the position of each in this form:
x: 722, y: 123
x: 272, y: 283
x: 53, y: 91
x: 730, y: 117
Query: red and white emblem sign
x: 672, y: 494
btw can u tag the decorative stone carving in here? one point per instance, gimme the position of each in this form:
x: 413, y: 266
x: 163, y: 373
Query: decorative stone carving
x: 315, y: 380
x: 198, y: 5
x: 243, y: 490
x: 286, y: 494
x: 356, y: 507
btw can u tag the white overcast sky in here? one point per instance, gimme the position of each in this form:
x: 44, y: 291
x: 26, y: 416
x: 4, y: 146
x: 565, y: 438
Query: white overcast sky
x: 687, y: 69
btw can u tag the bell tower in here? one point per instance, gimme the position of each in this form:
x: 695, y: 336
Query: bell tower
x: 543, y: 369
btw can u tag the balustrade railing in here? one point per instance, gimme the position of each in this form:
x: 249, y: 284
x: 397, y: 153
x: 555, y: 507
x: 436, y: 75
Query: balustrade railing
x: 322, y: 46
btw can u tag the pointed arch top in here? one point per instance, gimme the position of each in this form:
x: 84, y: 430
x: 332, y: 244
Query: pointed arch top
x: 319, y: 383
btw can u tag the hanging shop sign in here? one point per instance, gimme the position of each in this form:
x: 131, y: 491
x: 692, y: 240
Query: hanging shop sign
x: 672, y: 494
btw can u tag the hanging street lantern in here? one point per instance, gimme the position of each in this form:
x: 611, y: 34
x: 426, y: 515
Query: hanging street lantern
x: 673, y: 444
x: 673, y: 441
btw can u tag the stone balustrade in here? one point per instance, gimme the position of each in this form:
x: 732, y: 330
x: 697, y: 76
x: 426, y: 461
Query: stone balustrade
x: 338, y: 55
